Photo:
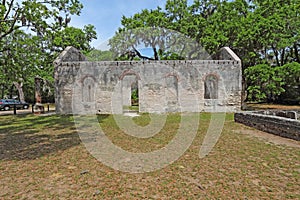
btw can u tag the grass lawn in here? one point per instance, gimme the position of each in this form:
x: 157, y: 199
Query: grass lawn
x: 42, y: 157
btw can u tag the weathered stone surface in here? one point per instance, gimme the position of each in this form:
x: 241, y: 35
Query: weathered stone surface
x: 282, y: 126
x: 292, y: 115
x: 280, y: 113
x: 164, y: 86
x: 70, y: 54
x: 226, y: 53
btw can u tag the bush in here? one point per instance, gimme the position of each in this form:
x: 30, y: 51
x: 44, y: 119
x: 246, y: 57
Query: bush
x: 291, y: 76
x: 274, y: 84
x: 264, y: 83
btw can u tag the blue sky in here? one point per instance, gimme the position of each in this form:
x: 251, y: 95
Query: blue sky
x: 106, y: 15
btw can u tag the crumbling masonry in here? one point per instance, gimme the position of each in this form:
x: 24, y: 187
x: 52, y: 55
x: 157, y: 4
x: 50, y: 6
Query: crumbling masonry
x: 163, y: 86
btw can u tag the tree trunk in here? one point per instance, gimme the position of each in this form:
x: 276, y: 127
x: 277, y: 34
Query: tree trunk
x: 276, y: 56
x: 296, y: 53
x: 140, y: 55
x: 155, y: 54
x: 282, y: 57
x: 244, y: 94
x: 38, y: 96
x: 11, y: 91
x: 19, y: 87
x: 2, y: 91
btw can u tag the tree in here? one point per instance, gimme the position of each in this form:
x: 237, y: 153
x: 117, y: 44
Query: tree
x: 29, y: 56
x: 71, y: 36
x: 258, y: 31
x: 27, y: 53
x: 39, y: 15
x: 291, y: 76
x: 274, y: 84
x: 141, y: 28
x: 98, y: 55
x: 265, y: 83
x: 263, y: 33
x: 150, y: 29
x: 277, y: 27
x: 20, y: 62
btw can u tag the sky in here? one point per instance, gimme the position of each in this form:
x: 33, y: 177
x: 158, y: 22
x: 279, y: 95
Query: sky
x: 106, y: 16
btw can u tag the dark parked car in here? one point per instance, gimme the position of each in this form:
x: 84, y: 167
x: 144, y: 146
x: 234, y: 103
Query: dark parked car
x: 7, y: 104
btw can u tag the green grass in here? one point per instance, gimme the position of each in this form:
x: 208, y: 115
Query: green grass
x: 132, y: 108
x: 43, y: 157
x: 142, y: 120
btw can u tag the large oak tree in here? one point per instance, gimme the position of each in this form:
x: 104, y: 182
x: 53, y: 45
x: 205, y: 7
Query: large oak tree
x: 32, y: 34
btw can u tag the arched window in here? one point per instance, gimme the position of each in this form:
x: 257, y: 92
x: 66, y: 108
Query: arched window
x: 211, y: 87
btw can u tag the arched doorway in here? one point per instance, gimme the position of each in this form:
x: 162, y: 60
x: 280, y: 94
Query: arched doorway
x: 130, y: 91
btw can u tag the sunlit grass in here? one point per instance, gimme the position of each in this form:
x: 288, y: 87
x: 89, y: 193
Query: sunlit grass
x: 43, y: 157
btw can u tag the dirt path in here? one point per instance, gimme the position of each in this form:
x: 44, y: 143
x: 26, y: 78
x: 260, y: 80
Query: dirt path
x: 268, y: 137
x: 262, y: 106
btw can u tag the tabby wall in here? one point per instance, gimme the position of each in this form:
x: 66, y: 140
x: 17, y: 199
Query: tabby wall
x: 285, y: 126
x: 163, y: 86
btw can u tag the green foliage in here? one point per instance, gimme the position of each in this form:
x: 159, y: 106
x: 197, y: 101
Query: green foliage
x: 167, y: 55
x: 155, y: 29
x: 264, y: 83
x: 135, y: 97
x: 273, y: 84
x: 25, y: 55
x: 258, y: 31
x: 71, y: 36
x: 291, y: 76
x: 139, y: 29
x: 263, y: 33
x: 98, y: 55
x: 21, y: 62
x: 36, y: 14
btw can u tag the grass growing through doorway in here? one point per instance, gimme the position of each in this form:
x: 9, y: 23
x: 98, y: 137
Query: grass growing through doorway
x: 131, y: 108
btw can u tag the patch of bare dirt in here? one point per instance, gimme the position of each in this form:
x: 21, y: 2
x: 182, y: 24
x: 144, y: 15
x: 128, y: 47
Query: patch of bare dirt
x: 257, y: 106
x: 269, y: 138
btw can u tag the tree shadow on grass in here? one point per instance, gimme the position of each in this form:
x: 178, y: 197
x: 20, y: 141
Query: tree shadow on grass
x: 30, y: 137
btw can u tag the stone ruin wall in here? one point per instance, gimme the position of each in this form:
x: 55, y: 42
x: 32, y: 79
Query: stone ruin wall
x: 281, y: 123
x: 164, y: 86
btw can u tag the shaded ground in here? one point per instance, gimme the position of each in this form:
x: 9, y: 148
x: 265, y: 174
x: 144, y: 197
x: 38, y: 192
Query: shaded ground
x: 30, y: 137
x: 26, y: 111
x: 268, y: 138
x: 43, y: 158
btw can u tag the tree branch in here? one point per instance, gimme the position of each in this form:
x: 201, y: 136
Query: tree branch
x: 12, y: 27
x: 140, y: 55
x: 5, y: 48
x: 9, y: 9
x: 276, y: 55
x: 296, y: 53
x: 155, y: 53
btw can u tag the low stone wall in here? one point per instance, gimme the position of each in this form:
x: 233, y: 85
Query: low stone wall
x: 280, y: 113
x: 281, y: 126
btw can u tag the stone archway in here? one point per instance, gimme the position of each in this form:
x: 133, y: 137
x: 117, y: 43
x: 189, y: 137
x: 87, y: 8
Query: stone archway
x: 130, y: 81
